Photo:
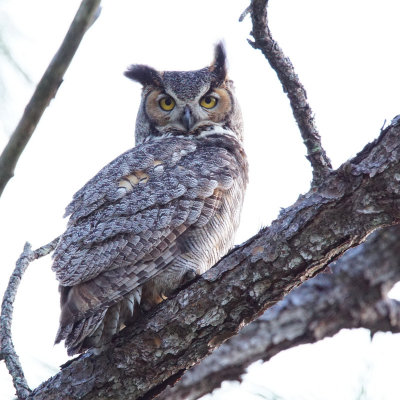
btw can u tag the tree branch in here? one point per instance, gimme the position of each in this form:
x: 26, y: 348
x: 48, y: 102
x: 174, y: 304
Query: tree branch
x: 292, y: 87
x: 7, y: 350
x: 362, y: 195
x: 354, y: 296
x: 46, y: 90
x: 341, y: 209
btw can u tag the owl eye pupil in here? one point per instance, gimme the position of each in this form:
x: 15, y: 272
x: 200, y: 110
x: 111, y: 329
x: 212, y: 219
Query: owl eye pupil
x: 167, y: 103
x: 208, y: 102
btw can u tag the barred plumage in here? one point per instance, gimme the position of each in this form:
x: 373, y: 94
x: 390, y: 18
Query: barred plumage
x: 159, y: 213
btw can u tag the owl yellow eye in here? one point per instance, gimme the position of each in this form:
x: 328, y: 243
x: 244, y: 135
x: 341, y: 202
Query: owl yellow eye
x: 167, y: 103
x: 208, y: 101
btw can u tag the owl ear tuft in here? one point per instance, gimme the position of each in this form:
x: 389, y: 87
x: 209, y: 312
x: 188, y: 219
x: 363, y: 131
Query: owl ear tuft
x: 144, y: 75
x: 219, y: 67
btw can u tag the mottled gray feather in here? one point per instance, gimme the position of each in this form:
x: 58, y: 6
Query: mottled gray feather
x: 161, y: 211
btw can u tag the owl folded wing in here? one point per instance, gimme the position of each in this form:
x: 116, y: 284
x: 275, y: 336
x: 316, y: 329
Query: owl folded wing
x: 132, y: 211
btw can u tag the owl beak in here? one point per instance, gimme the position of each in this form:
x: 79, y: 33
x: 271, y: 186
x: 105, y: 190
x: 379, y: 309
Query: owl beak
x: 187, y: 118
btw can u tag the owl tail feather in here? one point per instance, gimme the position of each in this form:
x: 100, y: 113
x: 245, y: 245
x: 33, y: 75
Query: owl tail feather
x: 96, y: 331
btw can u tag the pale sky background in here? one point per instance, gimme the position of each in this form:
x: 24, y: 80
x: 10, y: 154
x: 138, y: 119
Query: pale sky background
x: 346, y: 53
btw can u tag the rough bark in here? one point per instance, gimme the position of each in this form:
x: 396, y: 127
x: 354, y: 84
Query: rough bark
x: 292, y: 86
x: 353, y: 296
x: 362, y: 195
x: 7, y: 350
x: 341, y: 209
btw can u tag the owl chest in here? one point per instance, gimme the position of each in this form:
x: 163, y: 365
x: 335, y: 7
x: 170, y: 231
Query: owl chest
x: 200, y: 247
x: 206, y: 244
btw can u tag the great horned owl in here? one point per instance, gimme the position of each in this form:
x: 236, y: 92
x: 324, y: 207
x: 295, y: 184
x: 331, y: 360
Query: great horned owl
x: 162, y: 212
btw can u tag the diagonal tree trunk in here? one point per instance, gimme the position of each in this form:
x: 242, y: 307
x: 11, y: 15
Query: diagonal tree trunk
x: 353, y: 296
x: 338, y: 213
x: 362, y: 195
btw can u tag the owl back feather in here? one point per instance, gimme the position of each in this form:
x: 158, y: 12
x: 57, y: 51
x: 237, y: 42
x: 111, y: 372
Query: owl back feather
x: 160, y: 213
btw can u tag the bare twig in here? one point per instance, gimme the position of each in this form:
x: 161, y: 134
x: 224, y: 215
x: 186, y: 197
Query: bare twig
x: 7, y: 351
x: 354, y: 296
x: 46, y: 90
x: 244, y: 14
x: 292, y: 86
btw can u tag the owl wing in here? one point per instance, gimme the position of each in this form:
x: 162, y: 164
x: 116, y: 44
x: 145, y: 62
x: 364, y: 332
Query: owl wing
x: 133, y: 210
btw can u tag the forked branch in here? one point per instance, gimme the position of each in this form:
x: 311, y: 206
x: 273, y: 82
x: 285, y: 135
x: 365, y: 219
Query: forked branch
x: 359, y: 197
x: 7, y: 350
x: 292, y: 87
x: 338, y: 213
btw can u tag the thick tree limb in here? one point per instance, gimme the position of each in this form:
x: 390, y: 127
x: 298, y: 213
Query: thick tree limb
x: 362, y: 195
x: 354, y: 296
x: 7, y: 350
x: 292, y: 87
x: 46, y: 90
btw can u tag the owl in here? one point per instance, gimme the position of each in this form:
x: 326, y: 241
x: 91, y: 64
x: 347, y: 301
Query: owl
x: 160, y: 213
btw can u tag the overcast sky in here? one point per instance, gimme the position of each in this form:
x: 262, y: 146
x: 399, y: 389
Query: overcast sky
x: 346, y: 53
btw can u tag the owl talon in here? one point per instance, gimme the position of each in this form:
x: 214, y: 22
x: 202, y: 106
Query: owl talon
x: 188, y: 277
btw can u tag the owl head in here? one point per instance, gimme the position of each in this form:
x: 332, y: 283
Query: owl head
x: 187, y: 103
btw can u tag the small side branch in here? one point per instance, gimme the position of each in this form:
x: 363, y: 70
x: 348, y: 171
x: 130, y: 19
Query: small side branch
x: 46, y: 90
x: 7, y: 350
x: 292, y: 86
x: 7, y: 347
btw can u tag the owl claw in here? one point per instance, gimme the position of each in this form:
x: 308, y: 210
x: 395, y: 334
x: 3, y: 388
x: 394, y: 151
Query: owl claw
x: 189, y: 276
